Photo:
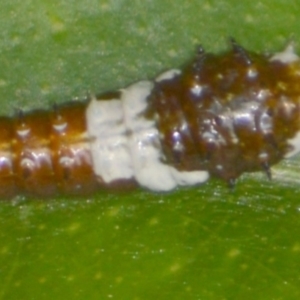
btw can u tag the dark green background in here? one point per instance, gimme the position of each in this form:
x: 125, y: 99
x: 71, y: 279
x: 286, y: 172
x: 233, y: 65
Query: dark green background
x: 199, y: 243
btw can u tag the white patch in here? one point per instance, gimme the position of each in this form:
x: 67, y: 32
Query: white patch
x: 146, y: 151
x: 144, y: 142
x: 178, y: 147
x: 295, y: 143
x: 125, y: 144
x: 109, y: 149
x: 197, y: 89
x: 5, y: 160
x: 170, y: 74
x: 288, y: 55
x: 60, y: 127
x: 185, y: 178
x: 66, y: 161
x: 263, y: 156
x: 219, y: 167
x: 27, y: 163
x: 23, y: 132
x: 252, y: 73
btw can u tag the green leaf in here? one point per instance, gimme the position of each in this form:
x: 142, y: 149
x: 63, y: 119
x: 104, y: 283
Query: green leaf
x: 201, y: 243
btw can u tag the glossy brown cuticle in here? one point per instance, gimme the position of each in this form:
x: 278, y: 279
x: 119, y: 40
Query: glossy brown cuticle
x: 223, y: 114
x: 229, y: 113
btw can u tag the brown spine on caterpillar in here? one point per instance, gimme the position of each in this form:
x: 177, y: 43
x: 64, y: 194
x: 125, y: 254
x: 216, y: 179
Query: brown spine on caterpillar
x: 229, y: 113
x: 46, y: 152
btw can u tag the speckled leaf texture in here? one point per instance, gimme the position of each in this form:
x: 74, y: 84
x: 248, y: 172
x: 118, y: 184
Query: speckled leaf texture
x: 201, y: 243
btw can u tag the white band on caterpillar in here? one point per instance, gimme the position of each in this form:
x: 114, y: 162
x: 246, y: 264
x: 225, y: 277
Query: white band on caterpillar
x: 125, y: 144
x: 109, y: 145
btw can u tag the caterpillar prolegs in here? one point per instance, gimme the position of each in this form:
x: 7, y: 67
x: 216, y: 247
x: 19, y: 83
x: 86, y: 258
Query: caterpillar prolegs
x: 221, y: 115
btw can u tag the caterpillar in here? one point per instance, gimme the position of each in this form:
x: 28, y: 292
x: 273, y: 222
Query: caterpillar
x: 221, y: 115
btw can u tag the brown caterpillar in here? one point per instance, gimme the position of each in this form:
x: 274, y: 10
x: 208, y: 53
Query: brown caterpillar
x: 222, y: 115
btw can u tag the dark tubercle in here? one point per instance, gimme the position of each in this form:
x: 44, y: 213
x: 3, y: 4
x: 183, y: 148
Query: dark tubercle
x: 229, y: 113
